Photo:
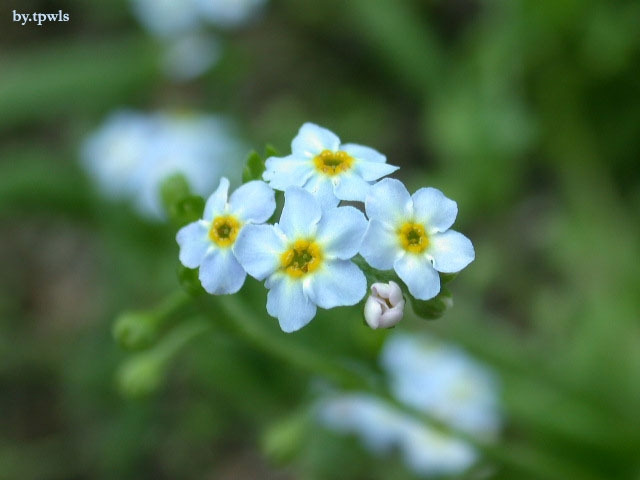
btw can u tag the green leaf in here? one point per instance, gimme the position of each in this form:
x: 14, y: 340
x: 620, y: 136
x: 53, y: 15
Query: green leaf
x: 434, y: 308
x: 253, y: 168
x: 189, y: 281
x: 270, y: 151
x: 181, y: 205
x: 447, y: 277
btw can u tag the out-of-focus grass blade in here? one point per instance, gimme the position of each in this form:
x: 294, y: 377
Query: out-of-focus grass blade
x: 63, y: 78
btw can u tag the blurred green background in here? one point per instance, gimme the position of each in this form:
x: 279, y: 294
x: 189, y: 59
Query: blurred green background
x: 527, y: 113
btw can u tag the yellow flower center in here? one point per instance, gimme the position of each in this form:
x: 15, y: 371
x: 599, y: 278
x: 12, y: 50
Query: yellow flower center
x: 303, y: 257
x: 413, y: 238
x: 224, y: 230
x: 333, y: 163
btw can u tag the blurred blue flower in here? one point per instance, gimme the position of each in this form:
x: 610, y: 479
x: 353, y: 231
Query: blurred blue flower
x: 167, y: 18
x: 432, y: 377
x: 411, y: 235
x: 323, y: 166
x: 305, y: 258
x: 130, y: 155
x: 181, y: 25
x: 441, y: 379
x: 208, y: 243
x: 190, y: 55
x: 229, y: 13
x: 383, y: 427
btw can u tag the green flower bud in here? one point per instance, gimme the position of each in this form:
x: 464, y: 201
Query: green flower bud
x: 283, y: 439
x: 141, y: 374
x: 136, y: 330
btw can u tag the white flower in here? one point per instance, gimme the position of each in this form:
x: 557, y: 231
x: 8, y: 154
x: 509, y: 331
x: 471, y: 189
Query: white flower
x: 132, y: 153
x: 411, y: 235
x: 383, y: 427
x: 444, y: 381
x: 208, y: 243
x: 326, y: 168
x: 385, y: 306
x: 305, y: 258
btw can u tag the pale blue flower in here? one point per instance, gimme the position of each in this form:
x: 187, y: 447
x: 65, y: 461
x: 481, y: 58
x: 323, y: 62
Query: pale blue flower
x: 305, y: 258
x: 208, y: 243
x: 182, y: 26
x: 432, y: 377
x: 323, y: 166
x: 411, y: 235
x: 229, y: 13
x: 113, y: 154
x: 130, y: 155
x: 167, y: 18
x: 383, y: 428
x: 190, y: 55
x: 444, y: 381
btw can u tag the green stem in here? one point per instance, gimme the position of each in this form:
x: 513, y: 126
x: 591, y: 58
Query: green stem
x: 242, y: 320
x: 520, y: 457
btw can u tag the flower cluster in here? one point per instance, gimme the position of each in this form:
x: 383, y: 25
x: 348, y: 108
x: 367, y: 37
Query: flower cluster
x: 180, y: 24
x: 434, y: 378
x: 306, y: 258
x: 133, y: 152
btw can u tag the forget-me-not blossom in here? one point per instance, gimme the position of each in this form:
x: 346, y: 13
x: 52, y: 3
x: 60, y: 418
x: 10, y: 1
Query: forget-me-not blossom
x: 305, y: 258
x: 332, y: 171
x: 208, y: 243
x: 410, y: 233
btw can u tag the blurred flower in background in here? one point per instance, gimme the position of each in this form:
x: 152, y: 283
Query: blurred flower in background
x: 182, y: 26
x: 435, y: 378
x: 132, y: 153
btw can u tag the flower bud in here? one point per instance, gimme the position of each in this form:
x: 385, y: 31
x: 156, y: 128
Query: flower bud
x: 385, y: 306
x: 136, y: 330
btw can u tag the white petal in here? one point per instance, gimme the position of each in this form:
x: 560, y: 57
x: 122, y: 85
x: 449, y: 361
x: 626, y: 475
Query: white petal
x: 287, y: 302
x: 361, y: 152
x: 393, y: 316
x: 349, y: 186
x: 300, y: 214
x: 434, y: 210
x: 253, y: 202
x: 220, y: 272
x: 258, y: 249
x: 194, y: 243
x: 217, y: 201
x: 389, y: 291
x: 283, y: 172
x: 450, y: 251
x: 373, y: 312
x: 321, y: 187
x: 313, y: 139
x: 380, y: 246
x: 419, y: 275
x: 340, y: 232
x: 389, y: 202
x: 339, y: 282
x: 371, y: 171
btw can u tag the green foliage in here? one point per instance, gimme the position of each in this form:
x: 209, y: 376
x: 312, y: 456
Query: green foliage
x: 181, y: 206
x: 434, y: 308
x: 524, y: 112
x: 253, y: 168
